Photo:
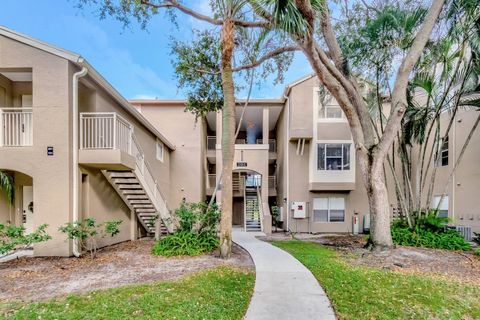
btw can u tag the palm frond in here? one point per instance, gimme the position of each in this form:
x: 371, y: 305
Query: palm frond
x: 7, y: 185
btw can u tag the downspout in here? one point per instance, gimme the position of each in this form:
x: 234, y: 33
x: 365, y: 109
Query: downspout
x: 76, y: 77
x: 287, y: 141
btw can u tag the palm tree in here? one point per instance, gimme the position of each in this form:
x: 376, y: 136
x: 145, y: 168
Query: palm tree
x: 229, y: 9
x: 7, y: 185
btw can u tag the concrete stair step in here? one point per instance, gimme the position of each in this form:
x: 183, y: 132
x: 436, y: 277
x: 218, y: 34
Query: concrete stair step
x: 144, y: 206
x: 121, y: 174
x: 129, y: 192
x: 138, y: 201
x: 130, y: 186
x: 126, y: 181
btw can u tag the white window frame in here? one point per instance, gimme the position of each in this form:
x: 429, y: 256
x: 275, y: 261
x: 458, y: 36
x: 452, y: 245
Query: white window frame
x: 443, y: 206
x: 328, y: 198
x: 318, y: 107
x: 441, y: 152
x: 159, y: 151
x: 342, y: 166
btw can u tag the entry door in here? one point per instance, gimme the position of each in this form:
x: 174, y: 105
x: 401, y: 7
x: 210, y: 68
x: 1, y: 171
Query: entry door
x: 28, y: 209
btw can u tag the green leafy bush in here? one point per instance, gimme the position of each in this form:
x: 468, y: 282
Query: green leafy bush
x: 477, y: 252
x: 196, y: 233
x: 429, y: 231
x: 14, y: 237
x: 86, y: 230
x: 184, y: 243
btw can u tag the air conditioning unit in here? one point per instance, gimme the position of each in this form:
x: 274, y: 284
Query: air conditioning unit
x: 466, y: 232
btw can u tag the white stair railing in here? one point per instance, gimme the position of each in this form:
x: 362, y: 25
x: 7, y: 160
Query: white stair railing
x: 146, y: 177
x: 16, y: 127
x: 260, y: 207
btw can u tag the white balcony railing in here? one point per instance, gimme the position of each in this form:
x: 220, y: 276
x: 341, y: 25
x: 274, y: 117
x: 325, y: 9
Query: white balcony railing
x: 211, y: 142
x: 272, y: 144
x: 211, y: 181
x: 16, y: 127
x: 272, y: 182
x: 107, y: 130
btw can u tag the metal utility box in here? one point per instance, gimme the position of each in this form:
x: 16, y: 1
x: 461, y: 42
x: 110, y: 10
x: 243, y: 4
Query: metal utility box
x: 299, y: 209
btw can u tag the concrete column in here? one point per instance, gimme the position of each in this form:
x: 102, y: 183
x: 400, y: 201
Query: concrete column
x: 266, y: 129
x: 133, y: 226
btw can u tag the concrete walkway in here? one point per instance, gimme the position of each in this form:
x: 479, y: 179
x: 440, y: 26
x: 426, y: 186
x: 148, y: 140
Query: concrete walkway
x: 284, y: 288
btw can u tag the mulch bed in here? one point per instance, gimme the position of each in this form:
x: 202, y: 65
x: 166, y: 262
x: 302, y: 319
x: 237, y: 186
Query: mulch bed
x: 32, y: 279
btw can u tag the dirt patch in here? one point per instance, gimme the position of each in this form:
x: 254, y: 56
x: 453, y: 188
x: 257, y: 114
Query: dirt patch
x: 458, y: 265
x: 30, y: 279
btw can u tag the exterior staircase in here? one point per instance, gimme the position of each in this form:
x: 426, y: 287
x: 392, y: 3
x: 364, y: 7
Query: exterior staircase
x: 252, y: 210
x: 130, y: 189
x: 139, y: 190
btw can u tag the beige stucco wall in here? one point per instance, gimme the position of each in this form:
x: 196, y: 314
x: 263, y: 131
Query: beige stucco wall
x: 187, y: 168
x: 51, y: 116
x: 100, y: 201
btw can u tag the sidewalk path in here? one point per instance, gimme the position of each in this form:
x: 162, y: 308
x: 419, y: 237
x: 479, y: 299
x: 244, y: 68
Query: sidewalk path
x: 284, y: 288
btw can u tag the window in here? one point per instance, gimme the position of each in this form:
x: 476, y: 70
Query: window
x: 330, y: 112
x: 159, y: 151
x: 329, y: 209
x: 443, y: 207
x: 333, y: 156
x: 442, y: 159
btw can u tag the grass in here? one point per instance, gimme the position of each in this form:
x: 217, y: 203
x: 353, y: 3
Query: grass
x: 367, y: 293
x: 221, y: 293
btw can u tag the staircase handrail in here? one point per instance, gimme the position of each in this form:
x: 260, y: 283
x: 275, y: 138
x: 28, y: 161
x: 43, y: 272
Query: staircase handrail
x: 260, y: 207
x: 144, y: 173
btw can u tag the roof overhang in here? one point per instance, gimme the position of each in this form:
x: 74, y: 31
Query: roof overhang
x: 80, y: 62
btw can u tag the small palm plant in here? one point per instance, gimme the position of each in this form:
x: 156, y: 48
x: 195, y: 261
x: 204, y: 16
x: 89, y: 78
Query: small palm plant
x: 7, y: 185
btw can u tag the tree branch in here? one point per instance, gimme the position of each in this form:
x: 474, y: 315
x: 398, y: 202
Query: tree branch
x: 327, y: 30
x: 218, y: 22
x: 399, y: 99
x: 269, y: 55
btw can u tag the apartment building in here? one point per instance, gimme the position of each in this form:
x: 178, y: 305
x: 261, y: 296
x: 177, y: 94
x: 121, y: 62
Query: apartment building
x: 76, y: 148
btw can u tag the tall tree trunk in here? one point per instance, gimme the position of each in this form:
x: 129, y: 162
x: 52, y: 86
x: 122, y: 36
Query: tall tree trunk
x: 379, y: 204
x: 228, y: 139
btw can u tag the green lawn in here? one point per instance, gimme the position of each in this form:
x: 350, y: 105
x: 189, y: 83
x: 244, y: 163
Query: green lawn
x: 221, y: 293
x: 367, y: 293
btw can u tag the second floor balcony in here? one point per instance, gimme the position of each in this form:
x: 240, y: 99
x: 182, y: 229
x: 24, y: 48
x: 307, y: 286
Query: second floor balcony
x: 16, y: 127
x: 239, y: 143
x: 106, y: 141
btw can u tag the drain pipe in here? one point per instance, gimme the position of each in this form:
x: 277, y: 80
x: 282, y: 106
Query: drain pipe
x: 288, y: 163
x: 76, y: 77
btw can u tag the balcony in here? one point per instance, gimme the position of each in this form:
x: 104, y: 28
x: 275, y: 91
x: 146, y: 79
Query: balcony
x: 239, y: 182
x: 240, y: 144
x: 106, y: 141
x: 16, y: 127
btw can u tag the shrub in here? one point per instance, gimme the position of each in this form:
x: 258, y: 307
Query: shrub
x: 184, y: 243
x: 196, y: 233
x: 430, y: 232
x: 477, y: 252
x: 86, y: 230
x: 14, y: 237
